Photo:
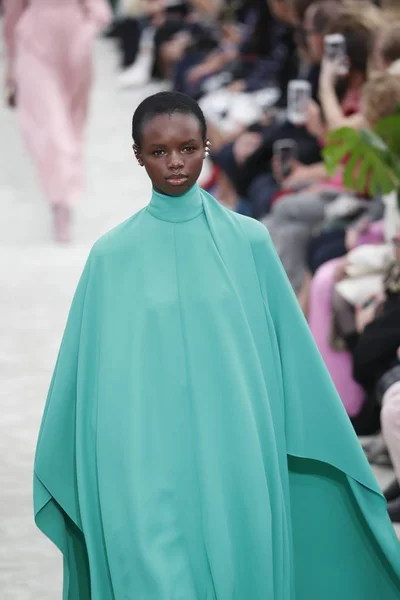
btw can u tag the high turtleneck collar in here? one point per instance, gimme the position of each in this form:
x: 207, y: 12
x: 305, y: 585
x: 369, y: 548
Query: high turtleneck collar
x: 176, y: 209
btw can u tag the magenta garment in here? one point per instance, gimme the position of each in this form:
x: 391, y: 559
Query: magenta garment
x: 49, y: 50
x: 339, y: 364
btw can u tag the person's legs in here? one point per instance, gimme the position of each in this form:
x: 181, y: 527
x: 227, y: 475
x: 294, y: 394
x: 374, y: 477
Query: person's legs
x: 304, y: 207
x: 77, y: 83
x: 142, y: 57
x: 182, y: 68
x: 49, y: 134
x: 162, y: 60
x: 290, y: 225
x: 129, y: 38
x: 290, y: 241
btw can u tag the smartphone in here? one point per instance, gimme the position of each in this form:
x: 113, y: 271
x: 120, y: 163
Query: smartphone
x: 286, y: 152
x: 336, y: 51
x: 299, y: 95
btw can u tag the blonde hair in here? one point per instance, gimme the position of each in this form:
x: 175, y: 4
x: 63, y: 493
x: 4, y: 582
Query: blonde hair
x: 368, y: 15
x: 389, y: 42
x: 391, y: 9
x: 380, y: 97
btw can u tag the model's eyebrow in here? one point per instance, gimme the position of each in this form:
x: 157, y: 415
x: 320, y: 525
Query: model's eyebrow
x: 191, y: 141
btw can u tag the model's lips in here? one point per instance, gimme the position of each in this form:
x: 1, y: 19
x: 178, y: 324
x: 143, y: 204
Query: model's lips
x: 177, y: 179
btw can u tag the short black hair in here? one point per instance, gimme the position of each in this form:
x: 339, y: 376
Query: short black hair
x: 165, y: 103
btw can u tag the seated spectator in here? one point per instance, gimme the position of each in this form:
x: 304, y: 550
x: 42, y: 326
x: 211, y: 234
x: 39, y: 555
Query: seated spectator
x: 382, y: 95
x: 293, y: 218
x: 251, y: 154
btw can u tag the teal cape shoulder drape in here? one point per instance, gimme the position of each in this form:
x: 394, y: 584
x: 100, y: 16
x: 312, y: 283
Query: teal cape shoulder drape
x: 193, y: 446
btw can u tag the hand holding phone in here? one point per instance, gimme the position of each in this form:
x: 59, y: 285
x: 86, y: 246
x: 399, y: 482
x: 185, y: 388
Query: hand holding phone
x: 285, y: 152
x: 336, y: 52
x: 299, y: 96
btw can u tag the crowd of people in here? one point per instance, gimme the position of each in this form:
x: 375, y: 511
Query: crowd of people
x: 340, y: 248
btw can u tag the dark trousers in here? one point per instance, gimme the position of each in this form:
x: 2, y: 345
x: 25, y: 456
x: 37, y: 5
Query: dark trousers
x: 325, y: 246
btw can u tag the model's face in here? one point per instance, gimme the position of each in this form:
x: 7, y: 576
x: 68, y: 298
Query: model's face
x: 172, y: 152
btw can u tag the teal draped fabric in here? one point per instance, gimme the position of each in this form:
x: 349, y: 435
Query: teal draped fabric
x: 193, y: 446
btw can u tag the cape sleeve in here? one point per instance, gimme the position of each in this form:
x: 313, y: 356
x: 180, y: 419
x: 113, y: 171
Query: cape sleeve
x: 56, y: 502
x: 321, y: 444
x: 317, y: 425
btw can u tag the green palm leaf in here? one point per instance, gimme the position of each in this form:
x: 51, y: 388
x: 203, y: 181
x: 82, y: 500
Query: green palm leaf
x: 370, y: 164
x: 388, y: 129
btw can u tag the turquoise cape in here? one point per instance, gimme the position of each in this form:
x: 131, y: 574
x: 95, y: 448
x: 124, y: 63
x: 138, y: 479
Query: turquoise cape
x: 193, y: 446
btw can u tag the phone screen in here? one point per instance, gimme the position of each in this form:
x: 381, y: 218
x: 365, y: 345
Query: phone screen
x: 286, y: 155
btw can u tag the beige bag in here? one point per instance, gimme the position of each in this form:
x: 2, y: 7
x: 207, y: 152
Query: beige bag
x: 367, y: 264
x: 132, y: 8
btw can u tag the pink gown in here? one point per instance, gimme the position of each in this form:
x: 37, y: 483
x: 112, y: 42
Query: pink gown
x: 49, y: 60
